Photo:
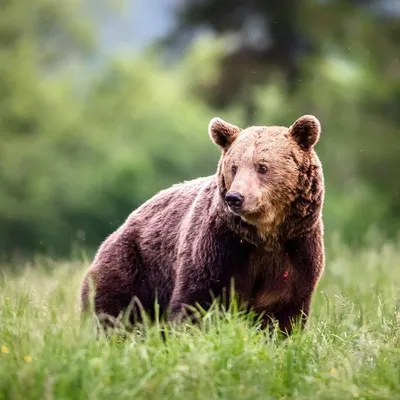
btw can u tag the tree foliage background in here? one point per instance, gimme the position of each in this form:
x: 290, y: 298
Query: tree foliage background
x: 86, y: 137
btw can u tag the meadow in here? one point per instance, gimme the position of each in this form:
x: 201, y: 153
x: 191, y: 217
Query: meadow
x: 105, y: 103
x: 350, y: 349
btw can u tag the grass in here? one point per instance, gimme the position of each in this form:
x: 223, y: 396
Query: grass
x: 350, y: 349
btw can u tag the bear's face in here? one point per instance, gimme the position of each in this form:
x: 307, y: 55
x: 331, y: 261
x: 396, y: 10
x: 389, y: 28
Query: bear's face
x: 260, y: 167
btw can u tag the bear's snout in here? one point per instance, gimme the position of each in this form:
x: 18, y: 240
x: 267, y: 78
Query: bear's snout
x: 234, y: 200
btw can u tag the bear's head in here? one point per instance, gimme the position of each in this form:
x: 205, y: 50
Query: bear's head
x: 265, y: 173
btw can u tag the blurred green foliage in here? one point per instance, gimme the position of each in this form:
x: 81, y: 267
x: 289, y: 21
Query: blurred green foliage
x: 84, y: 142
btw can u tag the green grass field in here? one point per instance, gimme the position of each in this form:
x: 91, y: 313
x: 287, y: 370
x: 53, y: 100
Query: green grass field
x: 350, y: 349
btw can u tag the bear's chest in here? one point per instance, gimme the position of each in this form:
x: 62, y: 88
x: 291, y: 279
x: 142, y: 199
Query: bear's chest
x: 267, y: 282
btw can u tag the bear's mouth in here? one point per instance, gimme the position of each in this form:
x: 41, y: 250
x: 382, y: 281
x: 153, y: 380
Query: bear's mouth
x: 236, y: 210
x: 239, y: 213
x: 248, y: 216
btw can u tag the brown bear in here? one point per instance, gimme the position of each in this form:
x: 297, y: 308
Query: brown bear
x: 257, y: 221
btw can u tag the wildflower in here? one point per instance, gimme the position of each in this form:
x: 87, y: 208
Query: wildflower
x: 332, y: 371
x: 28, y: 359
x: 4, y: 349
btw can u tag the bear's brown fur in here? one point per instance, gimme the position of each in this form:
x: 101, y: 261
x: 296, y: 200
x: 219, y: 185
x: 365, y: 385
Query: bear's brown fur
x: 184, y: 245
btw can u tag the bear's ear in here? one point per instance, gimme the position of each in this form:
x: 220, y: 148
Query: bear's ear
x: 222, y: 133
x: 306, y: 131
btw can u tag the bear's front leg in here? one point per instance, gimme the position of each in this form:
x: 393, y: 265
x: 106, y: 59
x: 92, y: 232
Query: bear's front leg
x: 183, y: 304
x: 291, y: 314
x: 306, y: 255
x: 287, y: 316
x: 193, y: 287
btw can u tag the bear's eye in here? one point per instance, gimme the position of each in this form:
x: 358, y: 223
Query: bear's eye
x: 262, y: 169
x: 234, y: 169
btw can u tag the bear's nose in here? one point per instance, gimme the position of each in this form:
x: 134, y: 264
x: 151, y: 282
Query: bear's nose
x: 234, y: 199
